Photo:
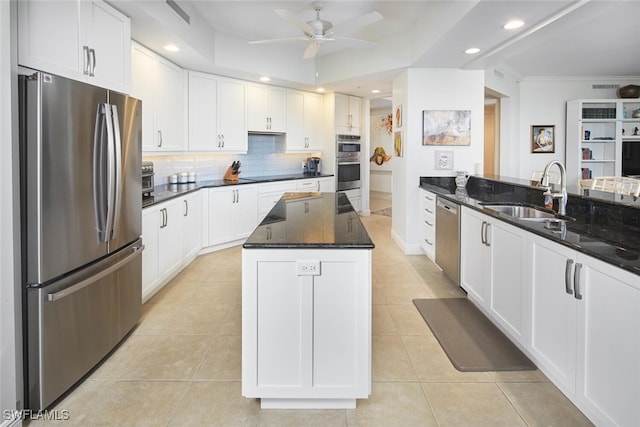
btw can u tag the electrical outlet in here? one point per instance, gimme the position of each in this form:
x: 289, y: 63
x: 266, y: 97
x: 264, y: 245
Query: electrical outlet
x: 308, y: 268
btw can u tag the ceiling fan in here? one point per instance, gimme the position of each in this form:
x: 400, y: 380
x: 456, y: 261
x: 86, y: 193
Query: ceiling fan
x: 318, y: 31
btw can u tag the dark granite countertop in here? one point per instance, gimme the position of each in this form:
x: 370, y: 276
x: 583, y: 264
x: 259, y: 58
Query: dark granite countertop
x: 605, y: 230
x: 166, y: 192
x: 311, y: 221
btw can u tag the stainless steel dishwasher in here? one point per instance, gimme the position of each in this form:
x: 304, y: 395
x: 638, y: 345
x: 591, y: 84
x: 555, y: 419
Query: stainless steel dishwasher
x: 448, y: 238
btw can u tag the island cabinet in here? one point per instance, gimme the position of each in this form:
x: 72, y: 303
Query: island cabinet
x: 584, y: 331
x: 306, y: 307
x: 493, y: 270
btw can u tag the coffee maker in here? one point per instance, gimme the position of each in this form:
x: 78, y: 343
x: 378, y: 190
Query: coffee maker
x: 313, y: 166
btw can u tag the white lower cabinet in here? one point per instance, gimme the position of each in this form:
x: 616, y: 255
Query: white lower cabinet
x: 306, y: 339
x: 327, y: 184
x: 428, y: 223
x: 584, y: 331
x: 161, y: 235
x: 192, y: 224
x: 493, y: 269
x: 233, y: 213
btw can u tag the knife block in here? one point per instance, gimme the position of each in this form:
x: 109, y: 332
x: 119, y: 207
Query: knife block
x: 229, y: 176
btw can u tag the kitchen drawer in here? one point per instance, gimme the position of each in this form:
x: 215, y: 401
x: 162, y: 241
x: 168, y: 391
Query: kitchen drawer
x: 277, y: 187
x: 307, y: 185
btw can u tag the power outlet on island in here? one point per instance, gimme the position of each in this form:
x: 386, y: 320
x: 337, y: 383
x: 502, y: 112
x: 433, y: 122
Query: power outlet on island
x: 308, y: 268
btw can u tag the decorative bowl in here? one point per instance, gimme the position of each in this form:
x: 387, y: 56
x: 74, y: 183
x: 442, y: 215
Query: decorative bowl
x: 629, y: 91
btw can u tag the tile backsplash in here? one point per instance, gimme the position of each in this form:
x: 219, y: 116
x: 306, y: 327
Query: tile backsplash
x: 264, y: 157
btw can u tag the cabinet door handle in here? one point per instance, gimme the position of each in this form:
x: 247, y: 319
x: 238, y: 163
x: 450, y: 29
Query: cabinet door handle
x: 85, y: 68
x: 486, y: 235
x: 92, y: 63
x: 576, y: 281
x: 159, y: 138
x: 318, y: 185
x: 164, y: 217
x: 186, y: 208
x: 483, y: 234
x: 428, y: 223
x: 430, y: 211
x: 428, y: 242
x: 567, y: 277
x: 222, y: 139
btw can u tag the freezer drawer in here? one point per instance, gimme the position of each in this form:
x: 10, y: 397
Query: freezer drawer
x: 73, y: 323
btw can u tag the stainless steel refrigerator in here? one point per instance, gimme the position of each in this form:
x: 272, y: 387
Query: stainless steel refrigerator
x: 81, y: 207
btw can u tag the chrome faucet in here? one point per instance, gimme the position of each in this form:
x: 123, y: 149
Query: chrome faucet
x: 562, y: 195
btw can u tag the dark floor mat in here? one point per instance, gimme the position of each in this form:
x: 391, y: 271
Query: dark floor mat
x: 470, y: 340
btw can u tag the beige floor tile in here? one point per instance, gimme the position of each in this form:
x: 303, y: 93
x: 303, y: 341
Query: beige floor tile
x: 471, y: 404
x: 223, y: 361
x: 431, y: 363
x: 306, y: 418
x: 408, y: 320
x: 392, y: 404
x: 381, y: 321
x: 542, y: 404
x: 76, y: 408
x: 518, y: 376
x: 389, y: 360
x: 404, y: 293
x: 165, y: 357
x: 155, y: 318
x: 137, y: 403
x: 176, y: 292
x: 215, y: 403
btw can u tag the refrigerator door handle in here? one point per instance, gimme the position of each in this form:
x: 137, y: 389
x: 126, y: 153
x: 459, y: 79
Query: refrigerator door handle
x: 117, y: 172
x: 135, y: 252
x: 111, y: 189
x: 99, y: 197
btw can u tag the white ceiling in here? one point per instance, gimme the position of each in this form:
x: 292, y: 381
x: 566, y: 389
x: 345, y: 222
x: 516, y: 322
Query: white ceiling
x: 596, y: 38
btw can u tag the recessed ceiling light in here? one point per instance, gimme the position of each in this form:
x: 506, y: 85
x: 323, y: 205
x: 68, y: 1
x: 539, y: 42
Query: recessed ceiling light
x: 472, y: 50
x: 172, y: 48
x: 512, y: 25
x: 320, y: 89
x: 264, y: 79
x: 375, y: 91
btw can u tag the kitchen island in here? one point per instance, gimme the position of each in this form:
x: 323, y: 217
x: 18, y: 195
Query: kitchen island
x: 306, y: 305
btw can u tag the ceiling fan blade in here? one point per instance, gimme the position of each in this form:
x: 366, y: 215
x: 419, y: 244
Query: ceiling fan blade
x: 357, y: 23
x: 311, y: 50
x: 293, y: 19
x: 284, y: 39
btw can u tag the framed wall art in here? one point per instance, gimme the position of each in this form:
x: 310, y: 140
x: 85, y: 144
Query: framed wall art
x: 446, y: 127
x: 398, y: 122
x: 397, y: 143
x: 543, y: 138
x: 444, y: 160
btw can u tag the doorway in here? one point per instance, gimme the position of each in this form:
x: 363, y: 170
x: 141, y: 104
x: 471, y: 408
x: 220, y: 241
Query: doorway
x: 381, y: 148
x: 491, y: 137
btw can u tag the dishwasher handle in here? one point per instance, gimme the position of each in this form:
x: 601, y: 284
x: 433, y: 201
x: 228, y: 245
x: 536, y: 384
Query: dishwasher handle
x: 451, y: 208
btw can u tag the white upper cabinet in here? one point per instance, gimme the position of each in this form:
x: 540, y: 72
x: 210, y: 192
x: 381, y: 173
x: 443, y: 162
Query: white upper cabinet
x: 217, y: 117
x: 304, y: 121
x: 266, y: 108
x: 347, y: 114
x: 159, y: 84
x: 83, y: 40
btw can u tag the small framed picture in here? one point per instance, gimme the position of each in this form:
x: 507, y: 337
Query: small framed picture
x: 398, y: 118
x: 444, y: 160
x: 543, y: 138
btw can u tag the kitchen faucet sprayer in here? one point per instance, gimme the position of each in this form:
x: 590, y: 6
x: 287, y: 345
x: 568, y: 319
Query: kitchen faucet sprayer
x: 562, y: 195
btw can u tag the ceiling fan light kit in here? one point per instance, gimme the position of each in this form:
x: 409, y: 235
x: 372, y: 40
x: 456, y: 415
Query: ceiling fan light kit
x: 318, y: 31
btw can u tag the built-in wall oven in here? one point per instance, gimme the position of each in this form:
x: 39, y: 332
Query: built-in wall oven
x: 348, y: 162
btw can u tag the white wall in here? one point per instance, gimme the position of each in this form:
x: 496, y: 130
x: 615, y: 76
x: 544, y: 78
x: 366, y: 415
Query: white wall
x: 544, y: 103
x: 431, y: 89
x: 381, y: 175
x: 8, y: 299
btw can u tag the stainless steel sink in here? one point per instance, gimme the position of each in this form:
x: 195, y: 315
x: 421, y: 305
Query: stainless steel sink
x: 527, y: 213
